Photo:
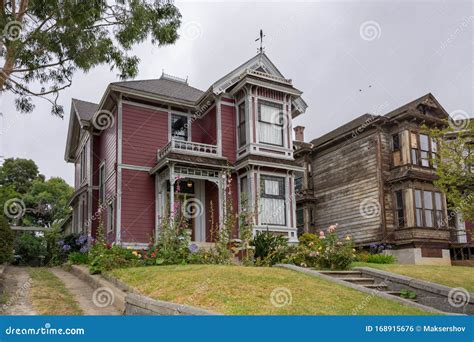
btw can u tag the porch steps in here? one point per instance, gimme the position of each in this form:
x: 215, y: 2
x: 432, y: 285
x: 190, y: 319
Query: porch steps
x: 357, y: 278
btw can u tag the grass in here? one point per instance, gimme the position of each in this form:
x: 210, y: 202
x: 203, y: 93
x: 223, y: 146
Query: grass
x: 452, y: 276
x: 49, y: 296
x: 236, y: 290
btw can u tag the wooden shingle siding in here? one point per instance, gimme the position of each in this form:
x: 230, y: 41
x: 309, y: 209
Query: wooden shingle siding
x: 144, y: 131
x: 138, y: 206
x: 343, y: 178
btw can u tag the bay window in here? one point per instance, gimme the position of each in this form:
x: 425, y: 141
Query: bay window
x: 273, y: 207
x: 399, y: 208
x: 423, y: 150
x: 270, y: 123
x: 429, y: 209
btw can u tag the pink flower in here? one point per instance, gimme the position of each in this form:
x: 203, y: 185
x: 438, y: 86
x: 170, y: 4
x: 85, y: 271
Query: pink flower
x: 321, y: 234
x: 332, y: 228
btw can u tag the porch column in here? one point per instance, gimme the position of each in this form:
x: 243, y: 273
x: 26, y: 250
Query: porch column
x: 172, y: 180
x: 221, y: 198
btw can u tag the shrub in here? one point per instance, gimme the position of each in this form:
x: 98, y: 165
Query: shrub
x: 269, y: 248
x: 309, y: 240
x: 326, y: 251
x: 78, y: 258
x: 54, y: 254
x: 6, y: 241
x: 104, y: 257
x: 375, y: 258
x: 31, y: 249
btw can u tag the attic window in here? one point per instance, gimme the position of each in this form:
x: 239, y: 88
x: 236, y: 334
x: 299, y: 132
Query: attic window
x: 179, y: 127
x: 261, y: 69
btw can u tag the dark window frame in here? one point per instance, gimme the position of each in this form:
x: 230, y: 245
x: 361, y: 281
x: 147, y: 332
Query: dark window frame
x: 399, y: 206
x: 434, y: 211
x: 185, y: 135
x: 281, y: 194
x: 241, y: 125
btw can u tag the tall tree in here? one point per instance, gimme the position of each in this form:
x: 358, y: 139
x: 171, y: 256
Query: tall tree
x: 19, y: 173
x: 45, y: 41
x: 455, y: 166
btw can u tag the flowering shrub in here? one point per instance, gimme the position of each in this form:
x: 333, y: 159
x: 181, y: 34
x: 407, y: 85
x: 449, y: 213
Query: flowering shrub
x: 104, y: 257
x: 325, y: 250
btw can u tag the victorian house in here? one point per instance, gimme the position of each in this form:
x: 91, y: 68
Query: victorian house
x: 149, y: 145
x: 374, y: 177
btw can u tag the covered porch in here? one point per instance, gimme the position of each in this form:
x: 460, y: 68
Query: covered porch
x: 195, y: 194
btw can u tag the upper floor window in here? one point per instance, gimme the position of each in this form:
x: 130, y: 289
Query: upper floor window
x: 423, y: 150
x: 102, y: 184
x: 179, y: 127
x: 273, y: 200
x: 396, y: 149
x: 270, y: 123
x: 82, y: 161
x: 242, y: 135
x: 429, y: 209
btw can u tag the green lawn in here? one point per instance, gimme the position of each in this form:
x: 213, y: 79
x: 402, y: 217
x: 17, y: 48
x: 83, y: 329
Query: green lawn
x: 237, y: 290
x: 49, y: 296
x: 452, y: 276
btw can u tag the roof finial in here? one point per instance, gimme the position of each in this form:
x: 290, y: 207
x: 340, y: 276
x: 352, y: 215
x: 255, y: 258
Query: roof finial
x: 260, y: 50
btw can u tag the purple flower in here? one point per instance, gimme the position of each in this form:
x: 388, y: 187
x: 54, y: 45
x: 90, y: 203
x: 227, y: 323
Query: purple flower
x: 193, y: 248
x: 66, y: 248
x: 84, y: 249
x: 61, y: 243
x: 81, y: 240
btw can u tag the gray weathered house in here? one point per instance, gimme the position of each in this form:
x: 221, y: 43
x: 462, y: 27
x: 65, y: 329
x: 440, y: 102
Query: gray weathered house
x: 374, y: 177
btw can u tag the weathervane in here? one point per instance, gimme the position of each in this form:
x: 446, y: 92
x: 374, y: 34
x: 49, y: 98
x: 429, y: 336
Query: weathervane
x: 260, y: 50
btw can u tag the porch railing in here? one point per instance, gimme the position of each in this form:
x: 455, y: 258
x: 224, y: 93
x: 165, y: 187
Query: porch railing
x: 187, y: 146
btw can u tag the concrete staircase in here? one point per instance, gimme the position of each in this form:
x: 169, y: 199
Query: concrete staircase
x: 357, y: 278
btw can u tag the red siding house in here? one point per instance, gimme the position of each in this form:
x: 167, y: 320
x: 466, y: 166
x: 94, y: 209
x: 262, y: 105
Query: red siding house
x: 152, y: 143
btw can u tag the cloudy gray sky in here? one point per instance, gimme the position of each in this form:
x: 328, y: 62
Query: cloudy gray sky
x: 348, y: 57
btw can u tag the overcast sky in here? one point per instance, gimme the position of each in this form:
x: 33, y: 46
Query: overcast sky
x: 348, y: 58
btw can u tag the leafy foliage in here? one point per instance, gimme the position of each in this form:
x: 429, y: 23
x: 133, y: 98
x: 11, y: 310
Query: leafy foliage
x: 455, y: 167
x: 49, y: 40
x: 19, y: 174
x: 31, y: 249
x: 326, y: 251
x: 375, y: 258
x: 269, y: 248
x: 41, y: 203
x: 6, y: 241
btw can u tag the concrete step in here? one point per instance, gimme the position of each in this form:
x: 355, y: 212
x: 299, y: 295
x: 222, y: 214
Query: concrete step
x: 360, y: 281
x: 342, y: 274
x: 380, y: 287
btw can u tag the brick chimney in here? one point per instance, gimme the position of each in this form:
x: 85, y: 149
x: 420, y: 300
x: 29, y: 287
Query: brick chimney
x: 299, y: 133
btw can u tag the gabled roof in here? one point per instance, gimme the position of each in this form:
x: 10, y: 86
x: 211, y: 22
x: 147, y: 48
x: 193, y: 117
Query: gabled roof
x: 85, y: 110
x: 164, y: 86
x: 347, y: 127
x: 366, y: 119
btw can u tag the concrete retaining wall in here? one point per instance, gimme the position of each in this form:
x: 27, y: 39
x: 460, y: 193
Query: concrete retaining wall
x: 136, y: 305
x: 427, y: 293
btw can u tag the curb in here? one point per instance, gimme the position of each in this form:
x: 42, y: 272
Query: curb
x: 364, y: 289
